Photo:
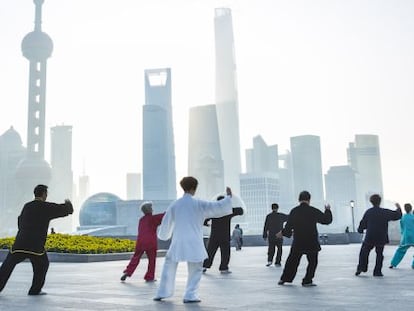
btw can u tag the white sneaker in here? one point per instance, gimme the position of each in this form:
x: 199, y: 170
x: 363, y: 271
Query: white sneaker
x: 269, y: 263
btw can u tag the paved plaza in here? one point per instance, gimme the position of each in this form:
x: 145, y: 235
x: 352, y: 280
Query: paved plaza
x: 251, y: 286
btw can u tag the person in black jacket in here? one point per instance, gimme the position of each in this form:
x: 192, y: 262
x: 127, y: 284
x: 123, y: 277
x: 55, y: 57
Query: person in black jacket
x: 301, y: 223
x: 33, y: 224
x: 273, y: 224
x: 375, y: 222
x: 220, y: 237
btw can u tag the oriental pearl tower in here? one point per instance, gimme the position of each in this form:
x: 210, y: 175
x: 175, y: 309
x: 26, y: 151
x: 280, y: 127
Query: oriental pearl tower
x: 37, y: 47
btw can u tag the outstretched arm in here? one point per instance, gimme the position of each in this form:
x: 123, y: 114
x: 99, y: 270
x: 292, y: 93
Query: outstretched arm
x: 326, y: 217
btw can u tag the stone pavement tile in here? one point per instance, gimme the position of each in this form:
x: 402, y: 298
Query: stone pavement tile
x: 251, y: 286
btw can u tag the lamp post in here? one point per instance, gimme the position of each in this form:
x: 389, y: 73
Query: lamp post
x: 352, y: 205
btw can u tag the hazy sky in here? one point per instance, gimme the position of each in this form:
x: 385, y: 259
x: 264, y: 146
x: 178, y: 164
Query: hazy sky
x: 322, y: 67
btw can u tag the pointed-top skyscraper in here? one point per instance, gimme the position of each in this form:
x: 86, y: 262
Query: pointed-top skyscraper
x: 37, y: 48
x: 226, y: 98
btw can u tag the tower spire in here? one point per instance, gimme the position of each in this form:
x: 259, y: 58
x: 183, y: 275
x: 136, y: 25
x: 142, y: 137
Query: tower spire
x: 38, y: 14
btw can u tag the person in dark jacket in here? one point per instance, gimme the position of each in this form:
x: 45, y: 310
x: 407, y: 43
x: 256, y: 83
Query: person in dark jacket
x: 146, y: 242
x: 301, y: 223
x: 375, y: 222
x: 33, y: 224
x: 220, y: 238
x: 273, y: 224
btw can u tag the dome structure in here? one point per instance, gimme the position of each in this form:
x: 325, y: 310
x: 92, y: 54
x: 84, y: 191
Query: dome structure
x: 11, y: 140
x: 33, y: 170
x: 99, y: 210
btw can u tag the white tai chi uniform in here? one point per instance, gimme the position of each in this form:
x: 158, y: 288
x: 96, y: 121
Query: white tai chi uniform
x: 184, y: 220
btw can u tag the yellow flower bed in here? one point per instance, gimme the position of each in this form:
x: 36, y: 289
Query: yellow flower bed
x: 80, y: 244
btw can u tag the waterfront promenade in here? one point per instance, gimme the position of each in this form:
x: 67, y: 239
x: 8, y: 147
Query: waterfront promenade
x: 251, y: 286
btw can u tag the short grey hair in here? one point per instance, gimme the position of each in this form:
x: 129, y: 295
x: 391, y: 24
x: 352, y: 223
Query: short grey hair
x: 146, y: 207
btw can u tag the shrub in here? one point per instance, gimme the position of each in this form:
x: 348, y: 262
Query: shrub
x: 80, y: 244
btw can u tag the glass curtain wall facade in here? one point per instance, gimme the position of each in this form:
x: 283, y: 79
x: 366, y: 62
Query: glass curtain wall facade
x: 159, y: 176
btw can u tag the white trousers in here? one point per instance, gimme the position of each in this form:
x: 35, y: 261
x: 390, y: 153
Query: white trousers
x: 167, y: 283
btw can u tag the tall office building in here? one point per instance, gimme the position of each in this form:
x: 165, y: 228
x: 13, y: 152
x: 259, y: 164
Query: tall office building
x: 260, y: 186
x: 258, y: 191
x: 307, y: 167
x: 226, y: 98
x: 262, y: 158
x: 159, y: 179
x: 61, y: 184
x: 84, y: 189
x: 61, y: 162
x: 204, y: 154
x: 37, y: 48
x: 341, y: 184
x: 288, y: 198
x: 364, y: 157
x: 133, y: 189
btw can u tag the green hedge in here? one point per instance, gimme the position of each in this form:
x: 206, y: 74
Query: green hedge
x: 80, y: 244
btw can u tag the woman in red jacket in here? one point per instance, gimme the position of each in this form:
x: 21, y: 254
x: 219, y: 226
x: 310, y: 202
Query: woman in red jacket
x: 146, y: 242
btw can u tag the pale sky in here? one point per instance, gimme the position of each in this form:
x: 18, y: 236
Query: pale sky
x: 333, y: 68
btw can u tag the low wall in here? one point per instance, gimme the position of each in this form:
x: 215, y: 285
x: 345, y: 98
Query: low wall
x: 324, y: 238
x: 64, y: 257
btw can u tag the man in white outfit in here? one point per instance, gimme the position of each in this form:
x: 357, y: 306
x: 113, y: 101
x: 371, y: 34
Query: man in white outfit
x: 183, y: 221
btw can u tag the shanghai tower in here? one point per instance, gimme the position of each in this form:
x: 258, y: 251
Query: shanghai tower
x: 226, y: 98
x: 37, y: 47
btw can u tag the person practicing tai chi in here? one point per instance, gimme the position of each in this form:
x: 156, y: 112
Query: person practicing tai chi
x: 301, y: 223
x: 220, y: 237
x: 146, y: 242
x: 183, y: 223
x: 273, y: 224
x: 33, y: 224
x: 407, y: 236
x: 375, y: 223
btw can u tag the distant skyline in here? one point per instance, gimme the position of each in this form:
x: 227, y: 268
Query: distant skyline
x: 329, y: 68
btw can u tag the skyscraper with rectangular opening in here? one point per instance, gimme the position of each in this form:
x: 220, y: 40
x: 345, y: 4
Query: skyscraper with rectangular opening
x: 159, y: 180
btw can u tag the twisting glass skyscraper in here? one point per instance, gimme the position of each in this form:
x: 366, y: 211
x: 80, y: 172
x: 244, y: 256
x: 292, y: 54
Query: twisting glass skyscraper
x: 159, y: 181
x: 226, y: 98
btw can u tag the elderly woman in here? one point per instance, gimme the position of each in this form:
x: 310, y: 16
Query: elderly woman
x: 146, y: 242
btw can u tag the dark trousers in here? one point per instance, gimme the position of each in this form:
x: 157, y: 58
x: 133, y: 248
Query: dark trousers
x: 292, y: 264
x: 364, y: 254
x: 40, y: 264
x: 273, y: 243
x: 213, y: 245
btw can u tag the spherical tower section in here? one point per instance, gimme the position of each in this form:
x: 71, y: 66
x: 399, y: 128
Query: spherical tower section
x: 29, y: 173
x: 37, y: 45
